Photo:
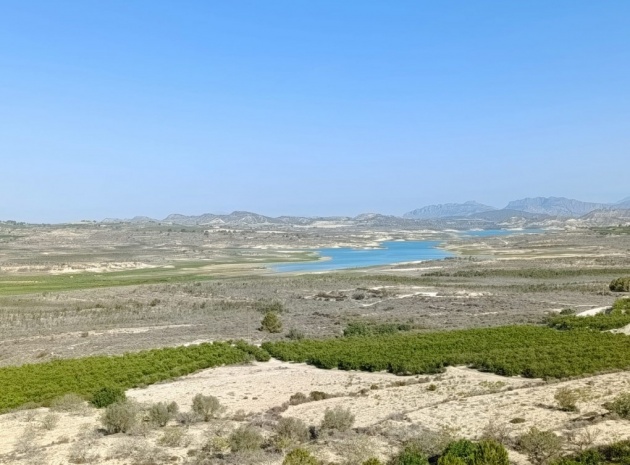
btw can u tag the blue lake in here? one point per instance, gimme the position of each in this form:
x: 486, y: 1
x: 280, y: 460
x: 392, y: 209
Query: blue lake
x: 388, y: 253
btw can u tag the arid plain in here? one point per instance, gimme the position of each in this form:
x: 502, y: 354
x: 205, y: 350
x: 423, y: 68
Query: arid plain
x: 89, y: 289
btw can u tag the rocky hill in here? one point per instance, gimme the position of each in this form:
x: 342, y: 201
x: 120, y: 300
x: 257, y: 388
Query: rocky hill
x: 447, y: 210
x: 555, y: 206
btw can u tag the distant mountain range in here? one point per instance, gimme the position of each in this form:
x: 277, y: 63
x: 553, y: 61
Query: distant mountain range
x: 552, y: 206
x: 447, y: 210
x: 537, y: 212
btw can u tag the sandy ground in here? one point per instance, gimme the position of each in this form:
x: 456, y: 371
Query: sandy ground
x: 462, y: 400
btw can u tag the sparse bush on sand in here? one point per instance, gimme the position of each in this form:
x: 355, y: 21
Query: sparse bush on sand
x: 207, y: 407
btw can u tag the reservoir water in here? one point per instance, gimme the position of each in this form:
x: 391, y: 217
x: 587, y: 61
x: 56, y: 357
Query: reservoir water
x: 388, y: 253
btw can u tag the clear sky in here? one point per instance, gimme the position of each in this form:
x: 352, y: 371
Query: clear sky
x: 117, y: 108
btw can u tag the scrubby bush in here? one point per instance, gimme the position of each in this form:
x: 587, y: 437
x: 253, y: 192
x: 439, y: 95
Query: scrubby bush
x: 567, y: 399
x: 541, y: 447
x: 491, y: 453
x: 620, y: 285
x: 410, y: 455
x: 207, y: 407
x: 68, y: 403
x: 187, y: 418
x: 120, y: 417
x: 173, y: 437
x: 265, y: 306
x: 339, y: 419
x: 107, y: 396
x: 295, y: 334
x: 620, y: 405
x: 298, y: 398
x: 372, y: 461
x: 465, y: 452
x: 159, y: 414
x: 271, y: 323
x: 293, y: 429
x: 300, y: 457
x: 462, y: 449
x: 245, y: 439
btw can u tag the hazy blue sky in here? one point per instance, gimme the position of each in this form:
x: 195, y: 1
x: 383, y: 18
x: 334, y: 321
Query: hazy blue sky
x: 121, y: 108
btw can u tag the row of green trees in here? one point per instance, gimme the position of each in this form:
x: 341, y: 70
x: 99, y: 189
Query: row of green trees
x: 510, y: 350
x: 43, y: 382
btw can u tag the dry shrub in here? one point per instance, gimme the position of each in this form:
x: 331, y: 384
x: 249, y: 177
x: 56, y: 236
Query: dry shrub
x: 300, y: 457
x: 246, y: 438
x: 174, y: 437
x: 356, y: 450
x: 541, y: 447
x: 339, y: 419
x: 50, y: 421
x: 71, y: 403
x: 567, y: 399
x: 207, y: 407
x: 120, y: 417
x: 292, y: 429
x: 159, y: 414
x: 26, y: 442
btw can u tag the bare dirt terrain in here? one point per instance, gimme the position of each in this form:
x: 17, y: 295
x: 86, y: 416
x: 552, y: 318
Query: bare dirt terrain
x: 82, y: 290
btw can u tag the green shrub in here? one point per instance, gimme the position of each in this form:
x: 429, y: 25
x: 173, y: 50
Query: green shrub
x: 462, y: 449
x: 372, y: 461
x: 245, y: 439
x: 541, y: 447
x: 620, y: 405
x: 410, y: 455
x: 271, y: 323
x: 107, y: 396
x: 465, y: 452
x: 300, y: 457
x: 120, y: 417
x: 491, y: 452
x: 620, y: 285
x: 207, y: 407
x: 621, y: 306
x: 339, y: 419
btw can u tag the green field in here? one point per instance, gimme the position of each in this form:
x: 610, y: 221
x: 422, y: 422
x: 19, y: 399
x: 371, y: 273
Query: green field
x: 177, y: 272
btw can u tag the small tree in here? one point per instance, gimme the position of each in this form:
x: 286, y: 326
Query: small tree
x: 271, y: 323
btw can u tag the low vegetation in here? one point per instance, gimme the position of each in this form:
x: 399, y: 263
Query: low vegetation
x: 617, y: 318
x: 41, y: 383
x: 510, y: 350
x: 620, y: 284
